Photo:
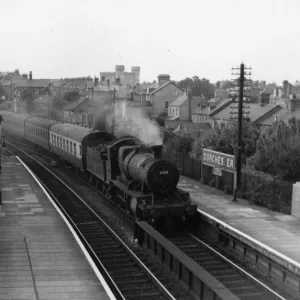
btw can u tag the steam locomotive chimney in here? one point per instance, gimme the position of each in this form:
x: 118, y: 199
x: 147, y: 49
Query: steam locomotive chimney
x: 157, y: 150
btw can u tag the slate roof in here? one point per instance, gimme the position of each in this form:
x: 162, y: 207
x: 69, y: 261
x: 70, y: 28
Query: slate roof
x: 179, y: 101
x: 164, y: 85
x: 34, y: 83
x: 207, y: 111
x: 281, y: 113
x: 255, y: 110
x: 74, y: 104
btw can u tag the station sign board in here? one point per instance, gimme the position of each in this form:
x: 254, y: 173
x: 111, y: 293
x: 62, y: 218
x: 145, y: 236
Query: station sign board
x: 219, y: 160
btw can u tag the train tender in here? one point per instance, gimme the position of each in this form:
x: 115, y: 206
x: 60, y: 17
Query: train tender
x: 130, y: 173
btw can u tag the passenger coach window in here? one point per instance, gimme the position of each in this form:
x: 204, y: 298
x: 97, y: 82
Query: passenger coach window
x: 80, y: 151
x: 60, y: 141
x: 71, y: 147
x: 75, y: 149
x: 64, y: 144
x: 67, y: 145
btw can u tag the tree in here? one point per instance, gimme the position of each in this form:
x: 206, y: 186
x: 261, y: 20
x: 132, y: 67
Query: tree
x: 179, y: 143
x: 199, y: 86
x: 2, y: 92
x: 278, y: 151
x: 71, y: 96
x: 224, y: 140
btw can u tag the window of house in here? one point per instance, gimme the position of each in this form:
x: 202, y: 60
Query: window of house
x: 102, y: 78
x: 166, y: 104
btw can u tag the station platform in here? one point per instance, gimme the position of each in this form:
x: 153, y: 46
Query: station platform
x: 274, y: 234
x: 40, y: 256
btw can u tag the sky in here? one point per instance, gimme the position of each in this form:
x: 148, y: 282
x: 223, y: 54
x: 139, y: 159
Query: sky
x: 206, y: 38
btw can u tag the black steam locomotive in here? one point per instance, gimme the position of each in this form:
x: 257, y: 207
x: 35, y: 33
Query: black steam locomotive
x: 127, y: 171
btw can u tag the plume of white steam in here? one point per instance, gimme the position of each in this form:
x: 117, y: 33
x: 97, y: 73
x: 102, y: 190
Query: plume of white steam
x: 133, y: 121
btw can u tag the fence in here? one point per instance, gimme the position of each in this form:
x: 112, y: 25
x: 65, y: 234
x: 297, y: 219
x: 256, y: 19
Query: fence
x: 257, y: 188
x: 187, y: 166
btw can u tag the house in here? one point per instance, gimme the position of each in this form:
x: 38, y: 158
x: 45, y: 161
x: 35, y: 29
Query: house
x: 288, y: 110
x: 252, y: 111
x: 80, y: 85
x: 254, y: 94
x: 83, y: 110
x: 182, y: 107
x: 161, y: 97
x: 16, y: 86
x: 203, y: 115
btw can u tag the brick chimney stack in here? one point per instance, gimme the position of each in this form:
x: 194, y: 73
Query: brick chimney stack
x: 286, y: 89
x: 163, y: 78
x: 30, y: 75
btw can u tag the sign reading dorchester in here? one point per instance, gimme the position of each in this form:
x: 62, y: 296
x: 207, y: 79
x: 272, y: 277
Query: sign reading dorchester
x: 219, y: 160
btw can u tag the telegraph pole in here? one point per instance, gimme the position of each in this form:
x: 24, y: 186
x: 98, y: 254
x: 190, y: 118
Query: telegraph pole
x: 241, y: 84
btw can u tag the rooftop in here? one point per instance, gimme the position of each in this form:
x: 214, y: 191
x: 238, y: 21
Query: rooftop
x: 179, y: 101
x: 164, y: 85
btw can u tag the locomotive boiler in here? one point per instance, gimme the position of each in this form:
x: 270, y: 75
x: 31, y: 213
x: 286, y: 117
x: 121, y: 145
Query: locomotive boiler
x: 142, y: 166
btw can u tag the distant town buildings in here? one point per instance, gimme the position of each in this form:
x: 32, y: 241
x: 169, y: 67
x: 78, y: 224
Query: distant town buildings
x: 182, y: 111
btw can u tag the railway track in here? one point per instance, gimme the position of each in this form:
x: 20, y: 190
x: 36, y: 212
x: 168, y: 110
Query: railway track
x: 125, y: 272
x: 232, y: 275
x: 240, y: 282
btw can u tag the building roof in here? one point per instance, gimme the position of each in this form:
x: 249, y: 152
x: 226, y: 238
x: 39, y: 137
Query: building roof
x: 34, y: 83
x: 207, y: 111
x: 281, y: 113
x: 179, y: 101
x: 255, y: 110
x: 163, y: 86
x: 76, y: 103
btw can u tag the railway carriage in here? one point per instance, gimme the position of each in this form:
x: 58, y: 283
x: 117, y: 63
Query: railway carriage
x: 37, y: 131
x: 70, y: 142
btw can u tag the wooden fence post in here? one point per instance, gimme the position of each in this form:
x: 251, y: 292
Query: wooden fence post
x: 202, y: 172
